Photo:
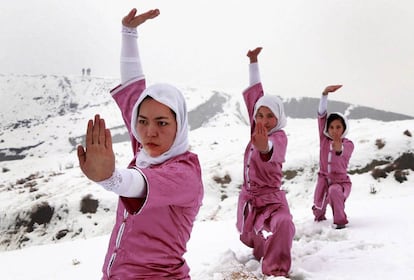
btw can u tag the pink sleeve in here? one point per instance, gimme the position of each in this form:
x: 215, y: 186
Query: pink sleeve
x: 279, y: 140
x: 348, y: 148
x: 177, y: 182
x: 321, y: 125
x: 251, y: 95
x: 126, y: 96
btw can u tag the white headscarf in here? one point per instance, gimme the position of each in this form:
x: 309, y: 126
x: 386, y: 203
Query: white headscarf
x: 173, y: 98
x: 275, y: 104
x: 325, y: 131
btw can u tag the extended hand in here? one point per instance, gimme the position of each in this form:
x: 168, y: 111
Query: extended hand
x: 260, y: 138
x: 253, y: 54
x: 97, y: 159
x: 331, y: 88
x: 132, y: 20
x: 337, y: 143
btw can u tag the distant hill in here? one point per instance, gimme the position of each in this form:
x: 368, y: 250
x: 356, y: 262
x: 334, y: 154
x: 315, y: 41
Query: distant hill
x: 306, y: 108
x: 32, y: 99
x: 297, y: 108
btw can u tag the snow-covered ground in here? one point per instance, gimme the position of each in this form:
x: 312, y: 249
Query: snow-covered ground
x: 377, y: 244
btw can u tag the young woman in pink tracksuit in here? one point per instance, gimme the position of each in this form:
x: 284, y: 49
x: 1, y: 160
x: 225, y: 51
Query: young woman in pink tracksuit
x: 160, y: 192
x: 263, y: 216
x: 334, y: 185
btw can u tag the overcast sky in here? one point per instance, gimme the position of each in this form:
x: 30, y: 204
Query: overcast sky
x: 365, y: 45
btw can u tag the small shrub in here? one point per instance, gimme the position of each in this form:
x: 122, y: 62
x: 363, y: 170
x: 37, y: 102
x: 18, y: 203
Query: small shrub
x: 400, y: 175
x: 378, y: 173
x: 88, y: 204
x: 290, y: 174
x: 61, y: 233
x: 41, y: 214
x: 222, y: 180
x: 380, y: 143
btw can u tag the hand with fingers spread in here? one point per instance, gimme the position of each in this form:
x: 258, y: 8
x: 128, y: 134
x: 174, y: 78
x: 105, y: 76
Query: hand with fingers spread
x: 260, y: 138
x: 253, y: 54
x: 330, y: 89
x: 97, y: 159
x: 133, y: 20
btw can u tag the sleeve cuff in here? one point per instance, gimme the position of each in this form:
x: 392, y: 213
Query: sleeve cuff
x: 269, y: 147
x: 113, y: 182
x: 126, y: 182
x: 129, y: 31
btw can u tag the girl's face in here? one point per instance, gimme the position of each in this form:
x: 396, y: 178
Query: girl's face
x: 335, y: 129
x: 156, y: 126
x: 265, y: 116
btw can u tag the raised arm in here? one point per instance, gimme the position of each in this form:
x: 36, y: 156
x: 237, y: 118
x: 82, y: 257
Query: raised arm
x: 254, y: 74
x: 323, y: 103
x: 130, y: 60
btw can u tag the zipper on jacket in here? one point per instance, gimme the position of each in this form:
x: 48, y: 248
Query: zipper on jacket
x: 248, y: 168
x: 117, y: 244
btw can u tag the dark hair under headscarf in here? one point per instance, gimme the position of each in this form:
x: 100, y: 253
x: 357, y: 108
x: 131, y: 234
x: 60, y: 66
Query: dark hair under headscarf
x: 336, y: 116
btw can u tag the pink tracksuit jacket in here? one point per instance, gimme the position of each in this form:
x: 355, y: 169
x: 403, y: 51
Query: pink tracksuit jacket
x: 150, y: 235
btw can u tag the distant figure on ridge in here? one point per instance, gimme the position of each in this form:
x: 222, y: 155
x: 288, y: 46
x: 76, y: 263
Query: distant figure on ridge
x: 263, y: 216
x: 161, y: 191
x: 334, y: 185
